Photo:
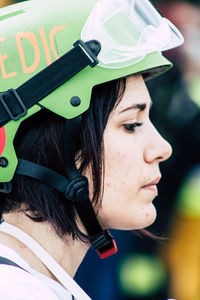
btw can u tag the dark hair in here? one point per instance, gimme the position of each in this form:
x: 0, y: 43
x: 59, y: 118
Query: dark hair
x: 40, y: 140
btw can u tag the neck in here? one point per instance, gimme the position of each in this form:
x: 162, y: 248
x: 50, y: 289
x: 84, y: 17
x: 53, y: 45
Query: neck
x: 68, y: 253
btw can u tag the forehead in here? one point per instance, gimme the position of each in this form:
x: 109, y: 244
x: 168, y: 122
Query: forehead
x: 135, y: 93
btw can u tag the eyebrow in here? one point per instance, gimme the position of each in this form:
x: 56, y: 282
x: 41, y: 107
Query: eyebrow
x: 139, y: 106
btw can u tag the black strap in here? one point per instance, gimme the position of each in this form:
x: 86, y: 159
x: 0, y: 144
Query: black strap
x: 101, y: 239
x: 14, y: 103
x: 6, y: 261
x: 42, y: 174
x: 72, y: 190
x: 75, y: 190
x: 87, y: 215
x: 74, y: 187
x: 83, y: 205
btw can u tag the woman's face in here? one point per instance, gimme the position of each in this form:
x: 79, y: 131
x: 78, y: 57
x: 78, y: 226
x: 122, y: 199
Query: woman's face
x: 133, y: 151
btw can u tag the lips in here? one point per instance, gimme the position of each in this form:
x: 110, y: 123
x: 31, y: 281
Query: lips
x: 154, y: 182
x: 152, y: 185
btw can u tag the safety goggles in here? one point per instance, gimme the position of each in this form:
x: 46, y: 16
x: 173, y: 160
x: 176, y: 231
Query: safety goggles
x: 128, y: 30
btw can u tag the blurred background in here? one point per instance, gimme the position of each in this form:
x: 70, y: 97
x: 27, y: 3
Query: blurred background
x: 157, y: 269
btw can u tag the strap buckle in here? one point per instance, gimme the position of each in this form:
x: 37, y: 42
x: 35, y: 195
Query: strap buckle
x: 88, y: 52
x: 20, y: 102
x: 105, y: 244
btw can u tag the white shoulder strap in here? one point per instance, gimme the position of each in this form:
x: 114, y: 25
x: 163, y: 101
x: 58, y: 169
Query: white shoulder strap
x: 46, y: 259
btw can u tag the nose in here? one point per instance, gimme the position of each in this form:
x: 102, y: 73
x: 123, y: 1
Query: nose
x: 157, y: 148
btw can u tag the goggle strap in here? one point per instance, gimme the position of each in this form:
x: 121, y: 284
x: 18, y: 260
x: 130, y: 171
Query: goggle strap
x: 15, y: 103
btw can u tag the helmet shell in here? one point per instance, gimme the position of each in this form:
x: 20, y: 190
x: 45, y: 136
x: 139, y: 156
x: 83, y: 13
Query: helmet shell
x: 35, y: 33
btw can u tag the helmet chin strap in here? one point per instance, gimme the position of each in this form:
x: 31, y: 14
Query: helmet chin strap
x: 74, y: 187
x: 46, y: 259
x: 101, y: 239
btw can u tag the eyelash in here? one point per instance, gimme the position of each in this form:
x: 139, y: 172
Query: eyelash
x: 131, y: 127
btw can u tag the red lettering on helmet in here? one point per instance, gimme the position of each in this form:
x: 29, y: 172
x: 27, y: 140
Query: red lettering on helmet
x: 52, y: 36
x: 33, y: 40
x: 2, y: 139
x: 48, y: 44
x: 46, y: 47
x: 2, y: 66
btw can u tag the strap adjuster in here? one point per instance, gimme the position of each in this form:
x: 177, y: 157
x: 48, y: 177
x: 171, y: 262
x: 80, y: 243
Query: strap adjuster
x: 20, y: 102
x: 77, y: 190
x: 88, y: 52
x: 105, y: 244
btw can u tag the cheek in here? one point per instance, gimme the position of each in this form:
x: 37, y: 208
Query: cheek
x: 117, y: 163
x: 119, y: 177
x: 122, y: 166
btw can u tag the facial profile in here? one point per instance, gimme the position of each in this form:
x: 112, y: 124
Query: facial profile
x: 133, y: 150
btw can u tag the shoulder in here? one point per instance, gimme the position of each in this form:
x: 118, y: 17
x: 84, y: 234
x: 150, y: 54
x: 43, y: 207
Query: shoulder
x: 17, y: 284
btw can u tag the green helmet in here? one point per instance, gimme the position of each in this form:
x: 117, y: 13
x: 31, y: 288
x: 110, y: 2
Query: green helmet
x: 49, y: 50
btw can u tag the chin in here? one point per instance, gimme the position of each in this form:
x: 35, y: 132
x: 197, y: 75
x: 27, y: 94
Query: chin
x: 138, y: 218
x: 147, y: 217
x: 139, y: 223
x: 150, y: 216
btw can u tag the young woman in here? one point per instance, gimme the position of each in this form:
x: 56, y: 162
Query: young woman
x: 78, y: 151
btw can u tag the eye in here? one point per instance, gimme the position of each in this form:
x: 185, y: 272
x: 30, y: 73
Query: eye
x: 131, y: 127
